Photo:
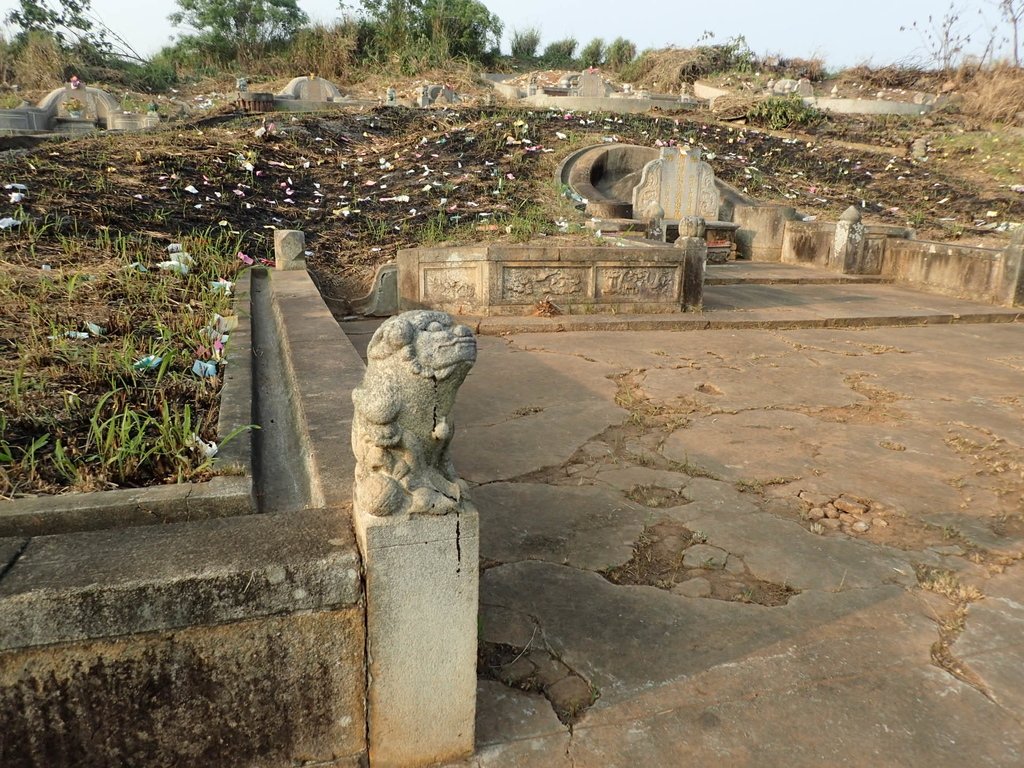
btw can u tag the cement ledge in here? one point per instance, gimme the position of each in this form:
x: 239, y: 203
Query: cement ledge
x: 103, y: 584
x: 500, y: 326
x: 223, y: 496
x: 322, y: 368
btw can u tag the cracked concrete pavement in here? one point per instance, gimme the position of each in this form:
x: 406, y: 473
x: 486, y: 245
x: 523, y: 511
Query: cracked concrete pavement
x: 756, y: 438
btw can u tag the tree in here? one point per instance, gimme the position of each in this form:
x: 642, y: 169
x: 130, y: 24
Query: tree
x: 1013, y: 12
x: 593, y: 53
x: 66, y: 20
x: 245, y: 29
x: 943, y: 38
x: 448, y: 27
x: 462, y: 27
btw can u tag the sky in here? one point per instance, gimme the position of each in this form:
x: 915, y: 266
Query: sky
x: 842, y: 33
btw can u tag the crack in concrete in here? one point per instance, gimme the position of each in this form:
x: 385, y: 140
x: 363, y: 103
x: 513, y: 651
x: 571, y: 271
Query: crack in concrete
x: 17, y: 556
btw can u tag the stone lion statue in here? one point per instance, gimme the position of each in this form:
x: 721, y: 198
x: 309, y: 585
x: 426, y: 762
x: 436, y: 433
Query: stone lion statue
x: 402, y: 428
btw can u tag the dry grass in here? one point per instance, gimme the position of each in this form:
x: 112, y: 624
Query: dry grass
x: 327, y: 50
x: 906, y: 76
x: 40, y: 64
x: 668, y: 69
x: 996, y: 95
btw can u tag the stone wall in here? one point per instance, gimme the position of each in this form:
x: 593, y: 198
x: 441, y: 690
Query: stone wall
x: 985, y: 274
x: 808, y: 242
x: 230, y: 642
x: 511, y: 280
x: 180, y: 640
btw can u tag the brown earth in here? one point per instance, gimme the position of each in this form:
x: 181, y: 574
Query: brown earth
x: 364, y: 184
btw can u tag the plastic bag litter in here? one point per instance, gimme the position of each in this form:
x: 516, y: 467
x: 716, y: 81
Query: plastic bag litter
x: 204, y: 368
x: 147, y: 363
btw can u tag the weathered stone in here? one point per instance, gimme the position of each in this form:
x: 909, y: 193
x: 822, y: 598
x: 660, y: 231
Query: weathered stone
x: 696, y: 587
x: 705, y: 556
x: 549, y: 670
x: 860, y: 526
x: 402, y: 428
x: 735, y: 566
x: 584, y: 527
x: 570, y: 694
x: 681, y: 183
x: 831, y: 523
x: 419, y: 535
x: 507, y: 715
x: 289, y: 249
x: 516, y: 671
x: 310, y: 88
x: 844, y: 504
x: 592, y: 85
x: 815, y: 499
x: 815, y: 513
x: 271, y: 691
x: 831, y: 512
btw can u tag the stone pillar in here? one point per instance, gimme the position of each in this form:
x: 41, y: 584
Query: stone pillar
x: 849, y: 246
x: 419, y: 536
x: 289, y: 249
x: 695, y: 258
x: 762, y: 229
x: 1013, y: 270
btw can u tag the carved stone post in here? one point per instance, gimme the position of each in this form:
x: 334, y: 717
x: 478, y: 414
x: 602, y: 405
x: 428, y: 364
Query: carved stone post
x: 695, y: 258
x: 289, y: 249
x: 1013, y: 270
x: 419, y: 536
x: 850, y: 242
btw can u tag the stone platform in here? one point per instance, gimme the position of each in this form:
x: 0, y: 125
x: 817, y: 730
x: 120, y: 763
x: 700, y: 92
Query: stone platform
x: 777, y: 543
x: 648, y: 528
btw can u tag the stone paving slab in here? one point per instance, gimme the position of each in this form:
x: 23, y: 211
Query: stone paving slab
x: 879, y: 654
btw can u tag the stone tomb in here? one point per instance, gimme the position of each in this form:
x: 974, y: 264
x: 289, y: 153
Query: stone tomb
x: 680, y: 183
x: 98, y: 108
x: 592, y: 85
x: 630, y: 188
x: 310, y: 88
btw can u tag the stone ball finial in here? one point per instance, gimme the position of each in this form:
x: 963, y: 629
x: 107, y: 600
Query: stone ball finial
x: 402, y: 427
x: 692, y: 226
x: 851, y: 214
x: 654, y: 212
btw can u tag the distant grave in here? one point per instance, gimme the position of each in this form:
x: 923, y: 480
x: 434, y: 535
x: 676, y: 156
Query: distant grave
x: 75, y: 108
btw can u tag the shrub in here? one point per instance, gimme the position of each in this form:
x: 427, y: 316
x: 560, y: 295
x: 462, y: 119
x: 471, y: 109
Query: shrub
x: 525, y: 43
x: 40, y: 63
x: 783, y: 112
x: 620, y: 54
x: 560, y: 53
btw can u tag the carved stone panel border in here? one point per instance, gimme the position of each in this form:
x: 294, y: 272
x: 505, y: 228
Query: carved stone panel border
x: 634, y: 282
x: 529, y: 284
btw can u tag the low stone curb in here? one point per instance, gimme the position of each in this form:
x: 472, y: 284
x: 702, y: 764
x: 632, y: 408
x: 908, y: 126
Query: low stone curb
x: 499, y: 326
x: 114, y: 583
